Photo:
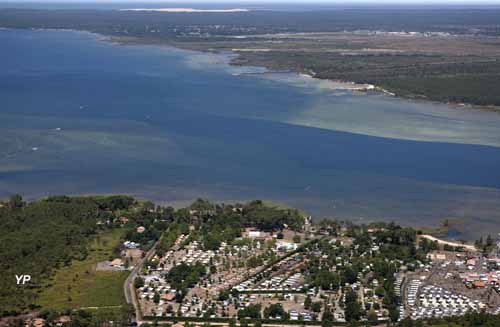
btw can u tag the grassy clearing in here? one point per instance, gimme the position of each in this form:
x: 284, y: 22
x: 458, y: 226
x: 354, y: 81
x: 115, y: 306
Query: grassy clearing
x: 81, y: 286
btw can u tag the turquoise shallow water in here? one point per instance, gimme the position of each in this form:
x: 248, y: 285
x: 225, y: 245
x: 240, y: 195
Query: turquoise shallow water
x: 83, y: 115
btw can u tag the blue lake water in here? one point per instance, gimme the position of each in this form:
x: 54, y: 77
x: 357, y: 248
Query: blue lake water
x: 79, y: 114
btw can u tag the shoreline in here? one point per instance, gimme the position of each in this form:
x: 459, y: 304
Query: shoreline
x: 415, y: 98
x: 159, y: 50
x: 412, y: 98
x: 449, y: 242
x: 133, y: 40
x: 345, y: 85
x: 187, y: 10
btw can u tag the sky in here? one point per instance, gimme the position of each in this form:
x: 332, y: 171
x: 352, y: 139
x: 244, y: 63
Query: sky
x: 471, y: 2
x: 250, y: 3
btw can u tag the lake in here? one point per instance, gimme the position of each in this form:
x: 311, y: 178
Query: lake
x: 80, y: 115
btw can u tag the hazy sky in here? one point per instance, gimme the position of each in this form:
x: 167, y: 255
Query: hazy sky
x: 231, y: 3
x: 472, y: 2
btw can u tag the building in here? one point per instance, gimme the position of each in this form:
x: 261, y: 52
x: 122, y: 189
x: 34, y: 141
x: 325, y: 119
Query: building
x: 168, y: 296
x: 131, y: 245
x: 287, y: 246
x: 117, y: 262
x: 256, y: 234
x: 436, y: 256
x: 253, y: 234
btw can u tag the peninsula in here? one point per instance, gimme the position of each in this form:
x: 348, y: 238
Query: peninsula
x: 446, y: 55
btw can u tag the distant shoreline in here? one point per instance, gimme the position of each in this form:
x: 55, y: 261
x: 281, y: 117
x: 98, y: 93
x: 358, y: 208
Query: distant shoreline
x: 134, y: 40
x: 314, y: 199
x: 187, y: 10
x: 234, y: 62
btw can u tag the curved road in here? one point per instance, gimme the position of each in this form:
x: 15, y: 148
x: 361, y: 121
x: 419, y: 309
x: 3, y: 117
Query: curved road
x: 128, y: 286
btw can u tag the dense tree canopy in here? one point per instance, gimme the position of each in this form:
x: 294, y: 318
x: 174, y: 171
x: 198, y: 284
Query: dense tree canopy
x: 43, y: 235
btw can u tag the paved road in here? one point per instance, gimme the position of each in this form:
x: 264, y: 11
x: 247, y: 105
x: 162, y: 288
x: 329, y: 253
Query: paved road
x: 128, y: 286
